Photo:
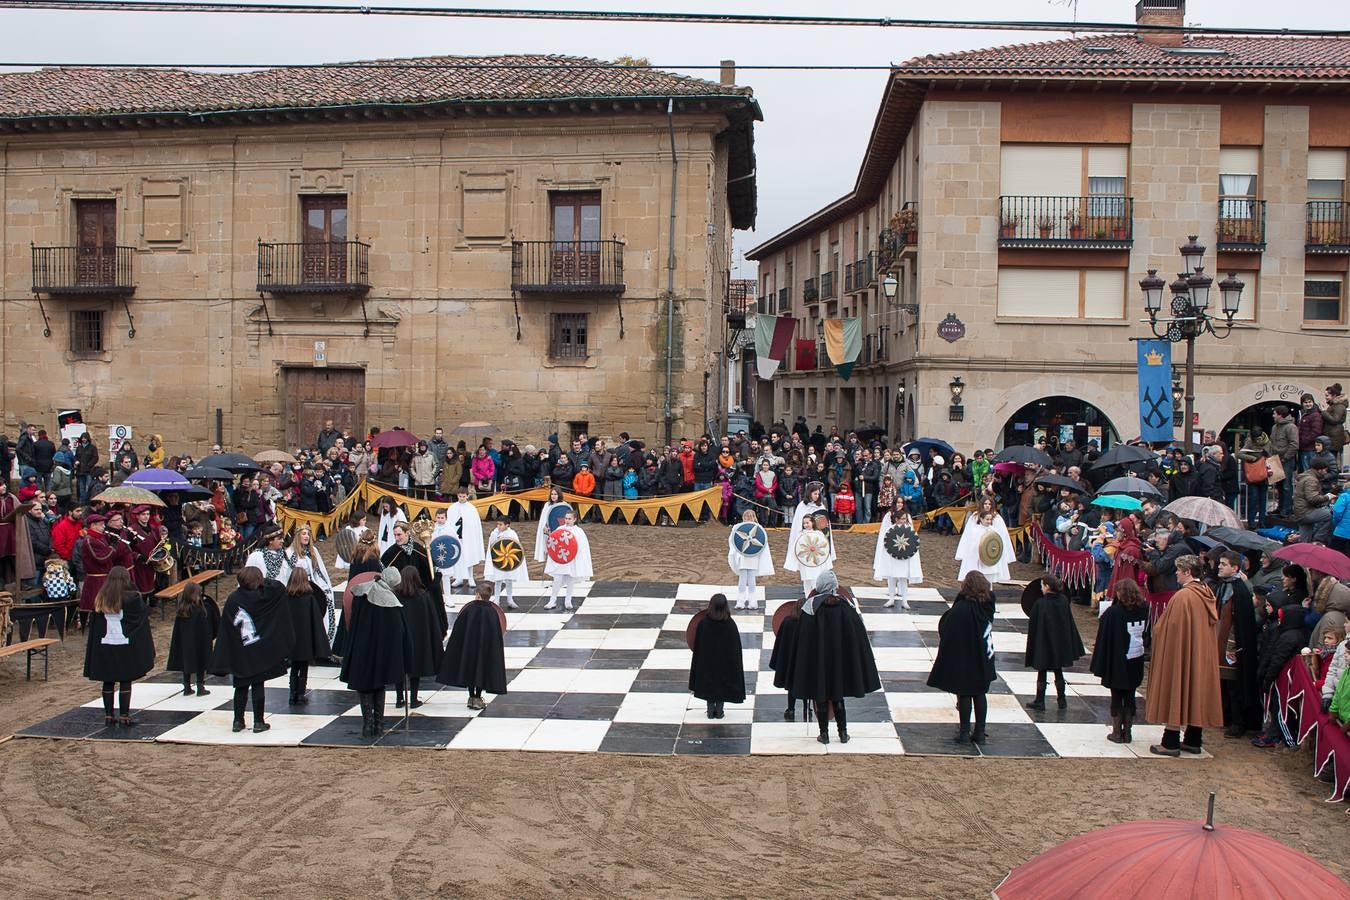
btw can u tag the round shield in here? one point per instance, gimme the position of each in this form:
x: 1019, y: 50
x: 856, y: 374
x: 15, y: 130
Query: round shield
x: 562, y: 545
x: 812, y: 549
x: 347, y: 592
x: 1030, y: 594
x: 991, y: 548
x: 900, y: 542
x: 445, y: 551
x: 692, y: 627
x: 345, y: 542
x: 783, y: 612
x: 822, y: 520
x: 748, y: 539
x: 556, y: 514
x: 507, y: 555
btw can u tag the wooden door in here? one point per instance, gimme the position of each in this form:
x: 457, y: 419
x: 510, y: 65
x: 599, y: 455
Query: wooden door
x: 324, y: 237
x: 576, y: 236
x: 313, y: 396
x: 95, y: 243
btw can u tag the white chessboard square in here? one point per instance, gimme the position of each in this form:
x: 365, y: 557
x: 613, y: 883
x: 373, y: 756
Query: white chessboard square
x: 653, y: 707
x: 567, y: 735
x: 495, y: 734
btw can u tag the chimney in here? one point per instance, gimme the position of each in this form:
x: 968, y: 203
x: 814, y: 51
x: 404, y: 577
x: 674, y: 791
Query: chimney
x: 728, y: 72
x: 1160, y: 12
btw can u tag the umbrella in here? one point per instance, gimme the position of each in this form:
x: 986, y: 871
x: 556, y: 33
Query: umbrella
x: 474, y: 432
x: 1117, y: 501
x: 397, y: 437
x: 1315, y: 556
x: 195, y: 492
x: 1241, y: 539
x: 927, y: 446
x: 1205, y: 510
x: 130, y: 494
x: 1061, y: 481
x: 1202, y: 543
x: 271, y: 456
x: 233, y: 462
x: 157, y: 480
x: 1026, y: 455
x: 1171, y: 859
x: 1134, y: 487
x: 1123, y: 455
x: 208, y: 473
x: 1009, y: 468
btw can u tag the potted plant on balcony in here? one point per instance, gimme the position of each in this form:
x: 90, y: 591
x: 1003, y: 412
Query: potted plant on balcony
x: 1008, y: 226
x: 907, y: 224
x: 1045, y: 225
x: 1075, y: 223
x: 810, y: 293
x: 1120, y: 231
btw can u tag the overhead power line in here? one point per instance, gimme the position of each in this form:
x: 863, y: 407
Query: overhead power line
x: 582, y: 15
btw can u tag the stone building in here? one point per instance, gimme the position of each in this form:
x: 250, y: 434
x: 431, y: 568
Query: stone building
x: 1017, y: 196
x: 422, y: 242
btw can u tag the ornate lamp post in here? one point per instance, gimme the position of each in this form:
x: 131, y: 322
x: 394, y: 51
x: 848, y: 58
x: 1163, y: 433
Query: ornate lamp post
x: 1190, y: 316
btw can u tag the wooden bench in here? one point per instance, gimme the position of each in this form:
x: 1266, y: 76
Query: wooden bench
x: 32, y: 648
x: 173, y: 591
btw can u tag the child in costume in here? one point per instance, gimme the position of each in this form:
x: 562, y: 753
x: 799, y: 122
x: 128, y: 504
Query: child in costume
x: 748, y: 568
x: 503, y: 580
x: 564, y: 573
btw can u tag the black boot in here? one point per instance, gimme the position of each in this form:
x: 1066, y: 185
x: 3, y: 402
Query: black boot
x: 790, y: 714
x: 302, y: 682
x: 1126, y: 720
x: 201, y: 685
x: 841, y: 721
x: 1191, y: 740
x: 187, y: 685
x: 712, y: 710
x: 378, y: 718
x: 823, y: 720
x: 398, y: 697
x: 413, y: 702
x: 1062, y: 690
x: 367, y: 715
x: 295, y: 687
x: 1117, y: 735
x: 1039, y: 702
x: 963, y: 705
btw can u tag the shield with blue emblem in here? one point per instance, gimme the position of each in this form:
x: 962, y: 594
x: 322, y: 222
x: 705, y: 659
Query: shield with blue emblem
x: 445, y: 551
x: 556, y: 514
x: 749, y: 539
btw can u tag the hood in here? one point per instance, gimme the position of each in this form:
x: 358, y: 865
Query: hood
x: 1291, y: 617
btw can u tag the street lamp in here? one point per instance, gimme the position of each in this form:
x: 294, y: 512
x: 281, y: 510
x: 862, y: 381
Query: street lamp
x: 1190, y: 315
x: 956, y: 412
x: 1178, y: 395
x: 890, y: 287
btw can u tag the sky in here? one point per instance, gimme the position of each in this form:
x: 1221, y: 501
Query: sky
x: 815, y: 124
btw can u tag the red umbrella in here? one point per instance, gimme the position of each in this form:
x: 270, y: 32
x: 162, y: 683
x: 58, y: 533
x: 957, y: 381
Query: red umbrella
x: 1315, y: 556
x: 1171, y: 859
x: 397, y: 437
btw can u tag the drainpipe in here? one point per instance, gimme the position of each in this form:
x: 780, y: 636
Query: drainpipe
x: 670, y: 273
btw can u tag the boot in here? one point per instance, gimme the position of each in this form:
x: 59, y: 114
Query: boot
x: 1039, y: 702
x: 294, y: 698
x: 1061, y: 690
x: 413, y: 686
x: 962, y: 735
x: 398, y: 697
x: 978, y: 736
x: 367, y: 716
x: 1117, y: 729
x: 841, y: 722
x: 201, y: 685
x: 377, y: 720
x: 712, y: 710
x: 1191, y: 740
x: 302, y: 683
x: 1127, y: 719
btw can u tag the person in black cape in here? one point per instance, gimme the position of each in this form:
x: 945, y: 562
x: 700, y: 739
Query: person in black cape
x: 406, y: 552
x: 1118, y: 655
x: 366, y: 558
x: 427, y: 625
x: 717, y: 671
x: 378, y: 647
x: 255, y: 638
x: 120, y: 647
x: 833, y: 657
x: 1053, y: 642
x: 1238, y: 637
x: 474, y: 658
x: 307, y: 605
x: 194, y: 629
x: 785, y: 655
x: 964, y: 665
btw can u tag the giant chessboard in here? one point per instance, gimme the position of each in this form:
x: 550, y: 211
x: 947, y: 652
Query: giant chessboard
x: 612, y: 677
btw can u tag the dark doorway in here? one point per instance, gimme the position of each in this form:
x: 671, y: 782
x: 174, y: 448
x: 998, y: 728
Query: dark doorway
x: 1059, y: 419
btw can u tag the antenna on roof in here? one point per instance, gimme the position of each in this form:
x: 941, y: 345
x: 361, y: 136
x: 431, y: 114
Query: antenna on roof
x: 1072, y: 5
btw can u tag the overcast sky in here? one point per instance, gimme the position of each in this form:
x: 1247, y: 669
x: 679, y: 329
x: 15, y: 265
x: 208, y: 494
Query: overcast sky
x: 815, y: 123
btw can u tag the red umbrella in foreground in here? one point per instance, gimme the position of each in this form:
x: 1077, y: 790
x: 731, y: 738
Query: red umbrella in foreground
x: 395, y: 437
x: 1315, y: 556
x: 1171, y: 859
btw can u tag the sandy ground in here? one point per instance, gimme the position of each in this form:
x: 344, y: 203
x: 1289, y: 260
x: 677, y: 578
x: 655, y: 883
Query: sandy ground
x: 146, y: 819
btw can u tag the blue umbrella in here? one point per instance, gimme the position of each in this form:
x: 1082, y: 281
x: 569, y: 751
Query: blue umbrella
x: 1117, y: 501
x: 158, y: 480
x: 928, y: 446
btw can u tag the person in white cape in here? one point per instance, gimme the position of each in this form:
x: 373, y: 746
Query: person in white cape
x: 355, y: 527
x: 808, y: 573
x: 748, y: 568
x: 442, y: 527
x: 565, y: 574
x: 898, y: 574
x: 503, y: 582
x: 390, y: 513
x: 813, y: 497
x: 968, y: 551
x: 555, y: 498
x: 467, y: 525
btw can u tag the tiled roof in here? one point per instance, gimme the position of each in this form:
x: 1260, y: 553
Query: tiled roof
x: 67, y: 91
x: 1125, y: 56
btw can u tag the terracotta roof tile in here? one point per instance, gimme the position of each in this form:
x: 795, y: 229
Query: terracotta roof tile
x: 64, y: 91
x: 1124, y: 56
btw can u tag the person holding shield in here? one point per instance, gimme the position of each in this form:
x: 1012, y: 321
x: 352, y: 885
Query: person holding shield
x: 748, y: 556
x: 505, y: 562
x: 546, y: 525
x: 569, y: 558
x: 896, y: 558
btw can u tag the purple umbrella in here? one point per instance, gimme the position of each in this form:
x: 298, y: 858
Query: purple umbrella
x: 158, y: 480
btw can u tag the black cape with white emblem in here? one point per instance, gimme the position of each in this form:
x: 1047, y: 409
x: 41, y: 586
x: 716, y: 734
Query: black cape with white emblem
x: 307, y: 622
x: 120, y: 662
x: 1053, y: 641
x: 190, y: 643
x: 475, y: 658
x: 833, y: 658
x: 378, y: 648
x: 426, y: 630
x: 1109, y: 654
x: 255, y: 634
x: 717, y: 672
x: 784, y: 654
x: 965, y: 658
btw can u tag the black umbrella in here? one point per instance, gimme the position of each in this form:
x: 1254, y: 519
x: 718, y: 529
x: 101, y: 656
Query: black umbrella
x: 1026, y: 455
x: 234, y: 462
x: 1135, y: 487
x: 1061, y: 481
x: 196, y: 492
x: 207, y: 473
x: 1241, y: 539
x: 1123, y: 455
x: 1201, y: 543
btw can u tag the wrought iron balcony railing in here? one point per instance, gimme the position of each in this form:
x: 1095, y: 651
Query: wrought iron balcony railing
x: 83, y: 270
x: 811, y: 290
x: 567, y: 267
x: 314, y: 267
x: 826, y: 285
x: 1328, y: 227
x: 1095, y: 222
x: 1242, y: 224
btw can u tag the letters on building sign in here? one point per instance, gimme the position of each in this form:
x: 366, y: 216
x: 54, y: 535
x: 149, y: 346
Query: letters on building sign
x: 1272, y: 391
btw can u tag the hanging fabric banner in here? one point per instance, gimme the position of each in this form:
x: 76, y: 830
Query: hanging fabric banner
x: 772, y: 343
x: 1155, y: 390
x: 806, y: 355
x: 843, y: 344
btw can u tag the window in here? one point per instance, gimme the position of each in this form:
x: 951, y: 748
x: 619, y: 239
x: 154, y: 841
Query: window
x: 86, y: 331
x: 1238, y: 167
x: 568, y: 340
x: 95, y: 242
x: 1326, y: 174
x: 1061, y: 293
x: 323, y: 235
x: 1322, y: 300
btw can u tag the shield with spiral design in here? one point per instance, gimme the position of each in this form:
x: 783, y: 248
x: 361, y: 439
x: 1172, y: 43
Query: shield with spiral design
x: 445, y: 551
x: 507, y: 555
x: 749, y: 539
x: 900, y: 542
x: 812, y: 549
x: 562, y: 545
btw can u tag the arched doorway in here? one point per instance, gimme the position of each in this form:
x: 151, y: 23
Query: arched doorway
x: 1258, y: 414
x: 1059, y: 419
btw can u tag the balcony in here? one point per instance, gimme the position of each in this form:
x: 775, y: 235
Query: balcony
x: 567, y: 267
x: 863, y: 274
x: 811, y: 290
x: 827, y: 285
x: 1242, y: 225
x: 784, y: 301
x: 83, y: 271
x: 848, y: 278
x: 1098, y: 222
x: 314, y: 267
x: 873, y: 350
x: 1328, y: 227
